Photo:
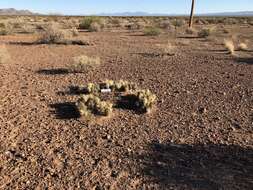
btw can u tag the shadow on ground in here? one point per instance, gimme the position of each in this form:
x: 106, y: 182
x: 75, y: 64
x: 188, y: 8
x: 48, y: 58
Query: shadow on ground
x: 198, y: 167
x: 248, y: 60
x: 66, y: 110
x: 58, y: 71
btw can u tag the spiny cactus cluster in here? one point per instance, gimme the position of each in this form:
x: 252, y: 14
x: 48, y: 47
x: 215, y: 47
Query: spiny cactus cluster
x: 120, y: 86
x: 146, y: 100
x: 88, y: 104
x: 93, y: 88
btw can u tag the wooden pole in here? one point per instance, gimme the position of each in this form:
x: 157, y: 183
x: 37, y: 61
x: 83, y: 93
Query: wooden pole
x: 192, y: 13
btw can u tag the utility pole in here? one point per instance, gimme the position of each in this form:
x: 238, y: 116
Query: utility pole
x: 192, y: 13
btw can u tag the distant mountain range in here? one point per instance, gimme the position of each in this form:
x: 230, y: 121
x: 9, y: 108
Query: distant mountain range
x: 12, y: 11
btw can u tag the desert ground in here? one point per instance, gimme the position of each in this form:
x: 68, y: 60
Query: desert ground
x: 199, y: 134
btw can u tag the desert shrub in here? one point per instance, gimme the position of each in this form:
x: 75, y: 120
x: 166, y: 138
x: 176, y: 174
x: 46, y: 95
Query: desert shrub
x: 190, y: 31
x: 243, y: 47
x: 4, y: 55
x: 152, y: 31
x: 177, y: 23
x: 6, y: 29
x: 84, y: 63
x: 146, y: 100
x: 205, y: 32
x: 165, y: 24
x: 229, y: 45
x: 88, y: 104
x: 95, y: 27
x: 86, y: 23
x: 74, y: 31
x: 27, y: 29
x: 53, y: 34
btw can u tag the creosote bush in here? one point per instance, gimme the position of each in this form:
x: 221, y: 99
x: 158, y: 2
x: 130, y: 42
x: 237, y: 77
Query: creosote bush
x: 91, y: 23
x: 152, y: 31
x: 53, y: 34
x: 229, y: 45
x: 6, y: 28
x: 84, y: 63
x: 190, y: 31
x: 4, y: 55
x: 88, y: 104
x: 205, y: 32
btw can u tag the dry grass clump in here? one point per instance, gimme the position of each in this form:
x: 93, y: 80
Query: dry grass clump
x: 229, y: 45
x: 152, y: 31
x: 28, y: 29
x: 242, y: 46
x: 4, y: 55
x: 88, y: 104
x: 205, y: 32
x: 84, y: 63
x: 146, y: 100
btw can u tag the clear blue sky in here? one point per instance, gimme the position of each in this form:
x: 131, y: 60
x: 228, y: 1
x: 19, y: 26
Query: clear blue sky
x: 110, y: 6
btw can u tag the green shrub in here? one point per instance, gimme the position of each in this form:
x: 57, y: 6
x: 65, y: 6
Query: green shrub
x: 86, y: 23
x: 152, y: 31
x: 205, y: 32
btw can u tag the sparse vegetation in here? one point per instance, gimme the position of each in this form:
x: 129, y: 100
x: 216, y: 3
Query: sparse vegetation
x: 152, y: 31
x: 190, y: 31
x: 6, y: 28
x: 229, y: 45
x: 205, y: 32
x: 4, y: 55
x: 52, y: 34
x: 91, y: 23
x: 84, y: 63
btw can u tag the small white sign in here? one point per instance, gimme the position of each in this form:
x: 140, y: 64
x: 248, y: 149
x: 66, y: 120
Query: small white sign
x: 107, y: 90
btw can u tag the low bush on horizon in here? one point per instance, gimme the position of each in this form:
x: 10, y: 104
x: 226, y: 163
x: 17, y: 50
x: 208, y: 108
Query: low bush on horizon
x: 53, y: 34
x: 91, y: 23
x: 152, y: 31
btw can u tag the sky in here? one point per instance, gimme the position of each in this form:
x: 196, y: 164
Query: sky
x: 80, y: 7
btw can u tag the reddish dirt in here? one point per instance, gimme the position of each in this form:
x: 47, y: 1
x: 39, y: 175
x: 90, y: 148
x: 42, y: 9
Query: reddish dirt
x: 200, y: 136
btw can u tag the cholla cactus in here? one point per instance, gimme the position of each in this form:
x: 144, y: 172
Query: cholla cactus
x: 109, y: 84
x: 92, y: 88
x: 88, y: 104
x: 104, y: 108
x: 146, y: 100
x: 124, y: 86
